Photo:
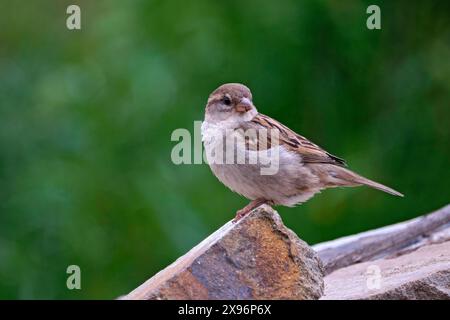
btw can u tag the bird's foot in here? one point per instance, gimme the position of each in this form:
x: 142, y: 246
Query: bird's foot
x: 240, y: 214
x: 248, y: 208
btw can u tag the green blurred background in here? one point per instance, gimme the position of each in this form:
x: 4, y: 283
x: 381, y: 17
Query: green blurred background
x: 86, y: 118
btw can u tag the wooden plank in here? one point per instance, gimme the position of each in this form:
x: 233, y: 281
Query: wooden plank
x: 387, y: 241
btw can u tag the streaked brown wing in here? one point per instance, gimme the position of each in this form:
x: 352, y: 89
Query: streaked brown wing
x: 310, y: 152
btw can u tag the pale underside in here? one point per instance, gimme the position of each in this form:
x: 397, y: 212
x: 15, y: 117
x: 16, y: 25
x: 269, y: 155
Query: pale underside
x: 303, y: 167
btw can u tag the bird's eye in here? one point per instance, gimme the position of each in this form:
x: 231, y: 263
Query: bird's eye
x: 226, y: 100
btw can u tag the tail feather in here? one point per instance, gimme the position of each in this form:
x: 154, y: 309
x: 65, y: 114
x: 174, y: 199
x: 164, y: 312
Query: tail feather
x: 350, y: 178
x: 378, y: 186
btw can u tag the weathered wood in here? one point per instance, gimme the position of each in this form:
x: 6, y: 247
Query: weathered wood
x: 256, y: 258
x: 385, y: 242
x: 422, y: 274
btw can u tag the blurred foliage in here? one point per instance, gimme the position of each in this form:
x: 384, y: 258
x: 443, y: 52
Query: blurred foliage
x: 86, y: 118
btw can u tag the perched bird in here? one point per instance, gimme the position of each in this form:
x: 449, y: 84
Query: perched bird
x: 303, y: 168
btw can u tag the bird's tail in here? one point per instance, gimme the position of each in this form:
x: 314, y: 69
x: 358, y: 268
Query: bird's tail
x: 378, y: 186
x: 345, y: 177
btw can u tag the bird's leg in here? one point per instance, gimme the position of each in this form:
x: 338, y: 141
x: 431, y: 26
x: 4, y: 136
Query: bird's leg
x: 245, y: 210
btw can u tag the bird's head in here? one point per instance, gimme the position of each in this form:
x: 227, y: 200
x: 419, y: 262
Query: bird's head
x: 231, y: 102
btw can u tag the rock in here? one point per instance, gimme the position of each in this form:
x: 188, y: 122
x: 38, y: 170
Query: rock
x: 256, y: 258
x: 421, y: 274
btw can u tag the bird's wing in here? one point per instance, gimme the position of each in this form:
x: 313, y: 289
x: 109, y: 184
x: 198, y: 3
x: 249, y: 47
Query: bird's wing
x: 310, y: 152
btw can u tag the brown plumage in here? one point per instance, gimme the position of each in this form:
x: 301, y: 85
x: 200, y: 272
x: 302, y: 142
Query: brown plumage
x: 304, y: 167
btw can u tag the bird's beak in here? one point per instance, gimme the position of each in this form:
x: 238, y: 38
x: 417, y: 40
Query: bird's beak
x: 244, y: 105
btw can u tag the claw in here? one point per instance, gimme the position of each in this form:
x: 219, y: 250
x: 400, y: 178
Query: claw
x: 240, y: 214
x: 248, y: 208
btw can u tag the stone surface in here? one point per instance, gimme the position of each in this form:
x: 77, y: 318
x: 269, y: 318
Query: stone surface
x: 256, y: 258
x: 421, y: 274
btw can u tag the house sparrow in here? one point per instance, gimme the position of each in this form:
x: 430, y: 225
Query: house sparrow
x: 303, y: 170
